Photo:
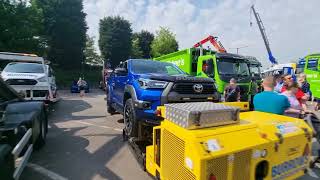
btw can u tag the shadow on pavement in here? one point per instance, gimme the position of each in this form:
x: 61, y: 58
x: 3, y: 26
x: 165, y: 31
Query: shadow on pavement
x: 67, y: 107
x: 66, y: 154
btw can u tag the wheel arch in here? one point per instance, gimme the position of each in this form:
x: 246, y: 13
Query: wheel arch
x: 129, y: 92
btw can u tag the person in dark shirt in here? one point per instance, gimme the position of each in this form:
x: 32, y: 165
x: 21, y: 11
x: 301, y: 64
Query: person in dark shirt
x: 269, y: 100
x: 232, y: 91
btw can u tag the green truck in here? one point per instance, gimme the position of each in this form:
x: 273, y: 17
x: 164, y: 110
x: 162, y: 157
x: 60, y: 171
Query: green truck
x: 312, y: 70
x: 219, y: 66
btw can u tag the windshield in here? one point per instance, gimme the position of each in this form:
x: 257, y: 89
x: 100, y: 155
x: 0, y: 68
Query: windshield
x: 254, y: 69
x: 150, y: 66
x: 231, y: 67
x: 24, y: 68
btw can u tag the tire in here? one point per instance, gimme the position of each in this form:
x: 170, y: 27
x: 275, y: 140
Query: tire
x: 41, y: 140
x: 129, y: 118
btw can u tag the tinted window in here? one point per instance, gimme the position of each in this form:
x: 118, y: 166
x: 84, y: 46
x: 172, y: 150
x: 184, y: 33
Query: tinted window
x: 313, y: 64
x: 149, y: 66
x: 24, y: 68
x: 230, y: 67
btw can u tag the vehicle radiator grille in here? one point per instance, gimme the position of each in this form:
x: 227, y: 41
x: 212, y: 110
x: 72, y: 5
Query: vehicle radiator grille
x: 187, y: 88
x: 241, y: 165
x: 218, y: 167
x: 21, y: 82
x: 237, y: 166
x: 173, y: 158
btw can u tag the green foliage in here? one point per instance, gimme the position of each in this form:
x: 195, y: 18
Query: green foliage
x: 65, y: 29
x: 115, y: 39
x: 145, y: 39
x: 136, y: 50
x: 90, y: 52
x: 164, y: 43
x: 21, y: 27
x: 64, y: 77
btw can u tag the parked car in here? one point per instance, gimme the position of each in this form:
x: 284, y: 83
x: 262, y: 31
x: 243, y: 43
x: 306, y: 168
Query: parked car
x: 74, y: 88
x: 30, y: 75
x: 137, y: 87
x: 23, y: 127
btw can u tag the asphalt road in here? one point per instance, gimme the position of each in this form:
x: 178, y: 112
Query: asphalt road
x: 85, y: 143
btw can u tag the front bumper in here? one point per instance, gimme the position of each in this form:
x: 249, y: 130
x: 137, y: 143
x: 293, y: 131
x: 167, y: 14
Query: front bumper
x: 38, y: 93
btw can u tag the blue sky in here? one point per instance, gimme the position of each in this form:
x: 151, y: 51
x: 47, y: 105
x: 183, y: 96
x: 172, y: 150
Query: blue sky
x: 292, y: 26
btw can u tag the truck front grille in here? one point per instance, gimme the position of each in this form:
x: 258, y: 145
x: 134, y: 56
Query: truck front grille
x: 173, y: 158
x: 21, y: 82
x: 187, y: 88
x: 236, y: 166
x: 244, y: 92
x: 37, y: 93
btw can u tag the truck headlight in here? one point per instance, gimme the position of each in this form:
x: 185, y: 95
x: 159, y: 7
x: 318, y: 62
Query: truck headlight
x: 152, y: 84
x: 43, y: 79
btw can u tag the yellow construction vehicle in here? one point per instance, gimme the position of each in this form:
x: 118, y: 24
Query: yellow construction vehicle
x: 213, y: 141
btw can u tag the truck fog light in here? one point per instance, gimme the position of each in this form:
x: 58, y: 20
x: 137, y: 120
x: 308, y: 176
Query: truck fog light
x: 146, y: 105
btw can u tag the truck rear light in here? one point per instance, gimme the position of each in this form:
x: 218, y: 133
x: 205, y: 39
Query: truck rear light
x: 212, y: 177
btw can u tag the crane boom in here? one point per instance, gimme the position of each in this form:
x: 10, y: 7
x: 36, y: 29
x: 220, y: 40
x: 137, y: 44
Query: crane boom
x: 264, y: 36
x: 214, y: 42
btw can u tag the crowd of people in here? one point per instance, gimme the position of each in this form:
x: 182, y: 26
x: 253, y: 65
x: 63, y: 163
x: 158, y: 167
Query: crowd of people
x: 282, y: 94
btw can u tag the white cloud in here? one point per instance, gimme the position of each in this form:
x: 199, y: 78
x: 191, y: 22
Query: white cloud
x: 292, y: 27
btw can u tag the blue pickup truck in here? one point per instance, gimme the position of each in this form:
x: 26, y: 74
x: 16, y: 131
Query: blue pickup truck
x: 138, y: 86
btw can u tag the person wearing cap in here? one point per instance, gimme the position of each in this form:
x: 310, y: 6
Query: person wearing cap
x: 270, y: 101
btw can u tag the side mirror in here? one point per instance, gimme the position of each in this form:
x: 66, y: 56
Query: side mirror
x: 207, y: 67
x: 121, y: 71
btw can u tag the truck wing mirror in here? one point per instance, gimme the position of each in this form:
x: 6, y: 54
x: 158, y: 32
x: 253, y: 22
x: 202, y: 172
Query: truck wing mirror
x: 207, y: 67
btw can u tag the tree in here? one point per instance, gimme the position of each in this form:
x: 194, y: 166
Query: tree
x: 90, y: 52
x: 145, y: 39
x: 164, y: 43
x: 136, y: 51
x: 65, y: 28
x: 115, y: 39
x: 21, y: 27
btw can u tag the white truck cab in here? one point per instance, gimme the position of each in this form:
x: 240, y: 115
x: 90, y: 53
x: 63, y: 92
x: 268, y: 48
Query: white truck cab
x: 28, y: 74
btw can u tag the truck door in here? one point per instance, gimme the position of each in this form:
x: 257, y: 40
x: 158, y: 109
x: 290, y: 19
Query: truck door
x: 120, y: 83
x: 313, y: 75
x: 207, y: 67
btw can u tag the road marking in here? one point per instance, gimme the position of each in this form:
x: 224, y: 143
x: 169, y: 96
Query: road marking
x: 46, y: 172
x: 105, y: 127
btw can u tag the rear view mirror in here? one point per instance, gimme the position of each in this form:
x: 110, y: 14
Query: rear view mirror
x: 207, y: 67
x: 120, y: 71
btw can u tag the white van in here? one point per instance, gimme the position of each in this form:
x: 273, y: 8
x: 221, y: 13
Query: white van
x: 29, y: 75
